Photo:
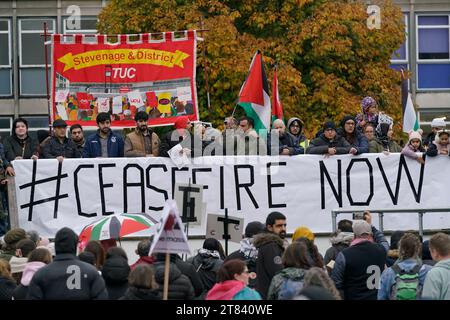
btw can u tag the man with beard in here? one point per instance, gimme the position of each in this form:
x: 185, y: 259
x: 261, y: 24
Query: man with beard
x: 77, y: 136
x: 143, y: 142
x: 104, y: 143
x: 270, y: 245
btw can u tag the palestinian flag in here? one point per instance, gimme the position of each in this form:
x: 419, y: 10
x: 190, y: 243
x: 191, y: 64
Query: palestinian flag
x: 254, y: 96
x: 410, y: 121
x: 277, y: 108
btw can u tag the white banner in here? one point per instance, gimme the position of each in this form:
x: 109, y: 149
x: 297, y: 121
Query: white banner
x: 304, y: 188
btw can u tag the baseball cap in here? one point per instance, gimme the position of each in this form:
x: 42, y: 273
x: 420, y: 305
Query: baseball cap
x: 361, y: 227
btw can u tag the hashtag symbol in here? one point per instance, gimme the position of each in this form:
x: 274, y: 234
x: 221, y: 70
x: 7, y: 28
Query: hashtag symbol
x: 33, y: 185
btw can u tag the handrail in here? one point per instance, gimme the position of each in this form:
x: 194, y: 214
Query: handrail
x: 381, y: 212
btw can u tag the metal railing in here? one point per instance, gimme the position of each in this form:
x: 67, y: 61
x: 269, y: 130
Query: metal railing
x: 381, y: 212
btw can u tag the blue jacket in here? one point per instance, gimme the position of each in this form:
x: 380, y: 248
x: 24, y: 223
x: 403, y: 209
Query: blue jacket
x: 93, y: 147
x: 388, y: 277
x: 360, y: 143
x: 247, y: 294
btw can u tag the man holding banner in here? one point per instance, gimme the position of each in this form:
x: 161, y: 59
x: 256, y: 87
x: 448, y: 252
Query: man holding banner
x: 143, y: 142
x: 104, y: 143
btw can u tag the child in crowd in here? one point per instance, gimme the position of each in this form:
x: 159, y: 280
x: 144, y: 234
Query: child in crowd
x: 369, y: 113
x: 440, y: 144
x: 414, y: 145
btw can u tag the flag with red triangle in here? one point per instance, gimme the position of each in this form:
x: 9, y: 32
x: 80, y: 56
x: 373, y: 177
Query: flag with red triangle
x: 277, y: 107
x: 254, y: 95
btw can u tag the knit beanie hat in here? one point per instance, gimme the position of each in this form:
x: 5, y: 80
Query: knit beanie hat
x: 329, y: 125
x: 345, y: 119
x: 303, y: 232
x: 414, y: 135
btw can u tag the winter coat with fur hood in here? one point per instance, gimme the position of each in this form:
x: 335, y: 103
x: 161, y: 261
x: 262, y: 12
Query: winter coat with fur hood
x: 270, y: 249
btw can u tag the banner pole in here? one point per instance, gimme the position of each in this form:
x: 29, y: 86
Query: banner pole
x: 166, y: 277
x: 205, y: 66
x: 46, y: 77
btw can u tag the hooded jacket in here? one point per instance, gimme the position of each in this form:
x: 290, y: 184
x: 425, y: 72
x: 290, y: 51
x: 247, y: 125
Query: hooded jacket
x: 67, y: 278
x: 270, y: 249
x: 180, y: 287
x: 296, y: 144
x: 339, y: 242
x: 388, y: 277
x: 437, y: 282
x: 115, y: 272
x: 377, y: 145
x: 435, y: 147
x: 187, y: 269
x: 207, y: 263
x: 294, y: 274
x: 20, y: 293
x: 321, y: 144
x: 232, y: 290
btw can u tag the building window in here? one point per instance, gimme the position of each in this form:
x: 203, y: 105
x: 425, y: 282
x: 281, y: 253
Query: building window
x: 433, y: 52
x: 5, y: 128
x: 5, y: 58
x: 88, y: 25
x: 400, y: 56
x: 32, y: 56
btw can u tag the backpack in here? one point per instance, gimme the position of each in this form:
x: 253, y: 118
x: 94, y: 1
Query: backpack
x: 289, y: 289
x: 407, y: 285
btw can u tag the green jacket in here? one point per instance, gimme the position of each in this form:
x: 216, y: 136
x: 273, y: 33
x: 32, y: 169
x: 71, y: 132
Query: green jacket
x: 375, y: 146
x: 437, y: 282
x: 291, y: 273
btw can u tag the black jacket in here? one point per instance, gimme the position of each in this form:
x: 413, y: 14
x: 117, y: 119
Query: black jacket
x: 53, y: 148
x: 14, y: 147
x: 172, y: 138
x: 21, y: 292
x: 115, y: 272
x: 134, y: 293
x: 7, y: 287
x: 67, y: 278
x: 354, y: 265
x: 321, y: 144
x: 180, y: 287
x: 187, y: 269
x: 206, y: 266
x: 270, y: 249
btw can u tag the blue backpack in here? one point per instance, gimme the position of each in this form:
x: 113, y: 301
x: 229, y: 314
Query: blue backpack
x: 289, y: 289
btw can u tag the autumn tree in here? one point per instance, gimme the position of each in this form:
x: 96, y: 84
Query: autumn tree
x: 327, y: 56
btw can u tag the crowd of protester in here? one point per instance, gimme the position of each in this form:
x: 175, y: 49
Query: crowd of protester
x: 360, y: 264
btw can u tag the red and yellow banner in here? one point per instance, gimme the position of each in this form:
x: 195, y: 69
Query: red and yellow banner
x: 155, y: 76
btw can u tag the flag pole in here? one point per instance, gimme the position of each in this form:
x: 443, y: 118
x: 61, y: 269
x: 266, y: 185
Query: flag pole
x: 166, y: 277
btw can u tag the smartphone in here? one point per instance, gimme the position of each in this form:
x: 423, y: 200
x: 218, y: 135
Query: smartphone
x: 358, y: 216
